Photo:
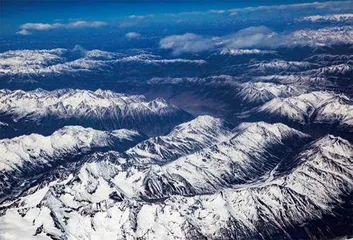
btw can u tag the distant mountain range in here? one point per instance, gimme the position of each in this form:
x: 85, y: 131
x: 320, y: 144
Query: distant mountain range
x: 45, y: 111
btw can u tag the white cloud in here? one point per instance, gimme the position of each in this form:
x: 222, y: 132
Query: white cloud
x: 136, y: 17
x: 27, y: 27
x: 217, y: 11
x: 132, y: 35
x: 86, y: 24
x: 252, y: 37
x: 331, y: 5
x: 41, y: 26
x: 188, y: 42
x: 273, y: 10
x: 263, y: 37
x: 246, y: 38
x: 24, y: 32
x: 258, y: 37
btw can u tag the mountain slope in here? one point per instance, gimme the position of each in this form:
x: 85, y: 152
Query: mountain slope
x: 282, y: 203
x: 331, y: 112
x: 107, y: 196
x: 106, y: 110
x: 216, y: 94
x: 183, y: 139
x: 26, y: 158
x: 253, y: 150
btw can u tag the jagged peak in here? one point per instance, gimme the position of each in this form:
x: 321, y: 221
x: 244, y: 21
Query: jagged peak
x: 257, y: 133
x: 125, y: 133
x: 202, y: 124
x: 277, y: 128
x: 31, y: 101
x: 331, y: 140
x: 201, y: 121
x: 159, y: 102
x: 315, y: 99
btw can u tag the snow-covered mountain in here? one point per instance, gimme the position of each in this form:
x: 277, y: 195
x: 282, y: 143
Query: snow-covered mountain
x: 230, y: 89
x: 333, y: 70
x: 261, y: 92
x: 319, y: 71
x: 27, y: 158
x: 26, y: 155
x: 248, y: 153
x: 184, y: 139
x: 324, y: 108
x: 107, y: 110
x: 253, y: 178
x: 239, y: 52
x: 60, y: 61
x: 330, y: 59
x: 281, y: 65
x: 329, y: 18
x: 338, y: 35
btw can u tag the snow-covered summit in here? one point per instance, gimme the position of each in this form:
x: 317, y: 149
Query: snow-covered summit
x: 19, y: 151
x: 42, y: 102
x: 315, y: 107
x: 281, y: 65
x: 237, y: 52
x: 51, y: 62
x: 331, y: 18
x: 184, y: 139
x: 261, y: 92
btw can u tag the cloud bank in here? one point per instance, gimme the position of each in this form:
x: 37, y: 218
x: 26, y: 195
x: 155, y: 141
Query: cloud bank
x: 132, y: 35
x: 331, y: 5
x: 252, y: 37
x: 27, y: 28
x: 24, y: 32
x: 258, y: 37
x: 188, y: 42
